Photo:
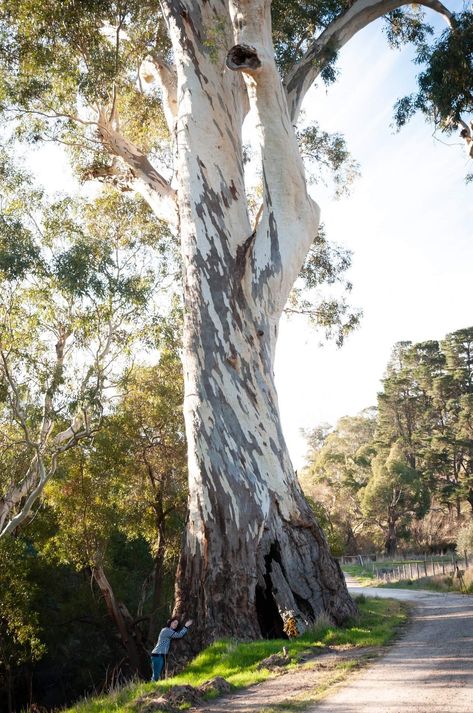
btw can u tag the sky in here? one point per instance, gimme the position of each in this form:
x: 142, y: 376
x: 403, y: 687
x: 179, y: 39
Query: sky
x: 409, y: 224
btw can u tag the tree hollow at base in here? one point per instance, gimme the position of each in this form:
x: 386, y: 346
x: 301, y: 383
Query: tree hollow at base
x: 282, y: 586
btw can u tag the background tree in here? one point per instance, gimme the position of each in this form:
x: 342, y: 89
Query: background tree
x: 458, y: 350
x: 465, y: 540
x: 406, y: 471
x: 251, y: 539
x: 393, y: 496
x: 20, y: 631
x: 339, y: 467
x: 129, y: 484
x: 75, y: 281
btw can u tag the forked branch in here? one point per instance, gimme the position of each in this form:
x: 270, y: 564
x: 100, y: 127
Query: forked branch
x: 302, y: 75
x: 147, y: 181
x: 290, y: 218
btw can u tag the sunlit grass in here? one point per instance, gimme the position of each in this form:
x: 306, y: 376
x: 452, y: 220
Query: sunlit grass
x: 237, y: 662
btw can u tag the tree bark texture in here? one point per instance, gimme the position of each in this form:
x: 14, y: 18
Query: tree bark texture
x: 253, y: 555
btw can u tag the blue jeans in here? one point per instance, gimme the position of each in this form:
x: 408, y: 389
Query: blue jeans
x: 157, y: 663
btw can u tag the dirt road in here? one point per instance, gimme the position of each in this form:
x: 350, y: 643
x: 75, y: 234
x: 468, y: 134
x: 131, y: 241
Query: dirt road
x: 429, y: 671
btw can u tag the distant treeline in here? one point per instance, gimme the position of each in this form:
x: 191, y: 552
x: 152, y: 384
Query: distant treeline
x: 401, y: 474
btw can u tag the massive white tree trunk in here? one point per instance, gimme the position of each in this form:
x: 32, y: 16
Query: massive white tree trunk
x: 253, y: 555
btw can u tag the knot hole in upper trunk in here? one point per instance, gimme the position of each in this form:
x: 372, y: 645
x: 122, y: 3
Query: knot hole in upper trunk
x: 242, y: 57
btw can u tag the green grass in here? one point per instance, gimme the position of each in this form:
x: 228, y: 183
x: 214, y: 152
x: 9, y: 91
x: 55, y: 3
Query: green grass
x: 377, y: 624
x: 363, y: 574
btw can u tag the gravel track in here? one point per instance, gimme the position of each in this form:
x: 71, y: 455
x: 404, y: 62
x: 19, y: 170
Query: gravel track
x: 429, y: 670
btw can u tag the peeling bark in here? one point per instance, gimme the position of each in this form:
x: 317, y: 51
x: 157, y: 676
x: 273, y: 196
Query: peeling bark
x: 253, y: 555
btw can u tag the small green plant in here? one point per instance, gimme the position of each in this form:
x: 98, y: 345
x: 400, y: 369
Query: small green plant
x: 214, y: 41
x: 320, y: 626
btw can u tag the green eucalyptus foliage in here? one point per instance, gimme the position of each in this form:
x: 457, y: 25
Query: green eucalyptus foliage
x: 129, y: 486
x: 86, y: 289
x: 327, y: 155
x: 338, y: 469
x: 445, y: 92
x: 132, y: 474
x: 296, y: 23
x: 325, y: 265
x: 117, y: 502
x: 67, y: 647
x: 60, y: 61
x: 20, y: 630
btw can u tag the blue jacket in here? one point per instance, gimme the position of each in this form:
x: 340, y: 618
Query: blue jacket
x: 164, y: 639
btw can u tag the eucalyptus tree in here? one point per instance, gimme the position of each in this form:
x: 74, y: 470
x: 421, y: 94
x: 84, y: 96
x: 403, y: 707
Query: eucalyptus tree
x: 457, y: 348
x: 77, y: 72
x: 338, y: 469
x: 131, y: 482
x: 394, y: 495
x: 20, y: 630
x: 426, y: 406
x: 74, y: 281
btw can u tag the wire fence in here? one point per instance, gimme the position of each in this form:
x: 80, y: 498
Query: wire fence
x: 412, y: 567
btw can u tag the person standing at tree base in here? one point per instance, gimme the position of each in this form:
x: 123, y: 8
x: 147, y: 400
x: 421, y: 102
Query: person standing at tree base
x: 160, y: 651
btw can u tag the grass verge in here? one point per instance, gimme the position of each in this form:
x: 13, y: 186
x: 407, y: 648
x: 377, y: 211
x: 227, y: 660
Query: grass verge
x: 377, y: 625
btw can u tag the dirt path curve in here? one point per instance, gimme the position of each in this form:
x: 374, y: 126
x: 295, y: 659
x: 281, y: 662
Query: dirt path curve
x: 430, y: 670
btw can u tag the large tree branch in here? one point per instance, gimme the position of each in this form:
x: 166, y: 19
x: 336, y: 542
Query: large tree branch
x: 48, y: 411
x: 16, y: 492
x: 147, y: 181
x: 155, y: 69
x: 290, y: 218
x: 14, y: 397
x: 336, y: 35
x: 22, y: 495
